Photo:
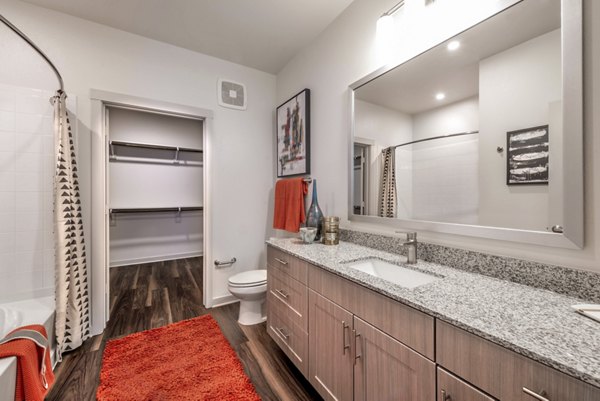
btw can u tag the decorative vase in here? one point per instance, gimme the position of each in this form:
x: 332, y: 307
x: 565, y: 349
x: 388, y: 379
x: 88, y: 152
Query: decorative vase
x: 314, y: 216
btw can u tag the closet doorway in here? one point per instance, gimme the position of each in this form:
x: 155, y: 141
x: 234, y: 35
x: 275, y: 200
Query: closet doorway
x: 152, y: 161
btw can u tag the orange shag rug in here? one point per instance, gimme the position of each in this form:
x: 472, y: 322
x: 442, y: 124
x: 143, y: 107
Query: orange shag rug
x: 188, y: 360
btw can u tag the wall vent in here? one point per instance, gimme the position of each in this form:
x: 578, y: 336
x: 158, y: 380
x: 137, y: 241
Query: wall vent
x: 232, y: 94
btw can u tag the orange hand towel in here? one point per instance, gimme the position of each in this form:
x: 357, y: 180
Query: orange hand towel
x: 289, y: 204
x: 34, y: 370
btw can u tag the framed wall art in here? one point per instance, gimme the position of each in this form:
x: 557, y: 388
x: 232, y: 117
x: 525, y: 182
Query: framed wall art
x: 293, y: 136
x: 527, y: 156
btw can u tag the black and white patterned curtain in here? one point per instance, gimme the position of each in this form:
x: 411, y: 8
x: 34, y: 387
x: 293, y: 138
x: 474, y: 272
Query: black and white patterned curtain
x: 387, y: 194
x: 71, y: 292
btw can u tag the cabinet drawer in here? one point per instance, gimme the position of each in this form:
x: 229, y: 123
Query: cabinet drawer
x: 290, y: 295
x: 290, y: 337
x: 452, y: 388
x: 405, y: 324
x: 502, y: 373
x: 287, y: 264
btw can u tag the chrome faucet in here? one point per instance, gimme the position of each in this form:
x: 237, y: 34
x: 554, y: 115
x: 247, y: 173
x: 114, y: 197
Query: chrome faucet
x: 410, y: 245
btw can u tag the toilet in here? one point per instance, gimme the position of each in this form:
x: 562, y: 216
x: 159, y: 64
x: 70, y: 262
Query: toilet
x: 250, y: 288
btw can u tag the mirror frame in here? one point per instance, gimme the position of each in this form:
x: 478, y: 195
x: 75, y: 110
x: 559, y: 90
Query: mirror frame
x: 572, y: 106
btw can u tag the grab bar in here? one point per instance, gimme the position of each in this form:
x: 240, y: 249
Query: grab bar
x: 218, y: 263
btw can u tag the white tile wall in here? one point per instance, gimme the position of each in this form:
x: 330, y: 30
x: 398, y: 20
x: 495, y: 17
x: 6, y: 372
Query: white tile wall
x: 26, y: 174
x: 446, y: 181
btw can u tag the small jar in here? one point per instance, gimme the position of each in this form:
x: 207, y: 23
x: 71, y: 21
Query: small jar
x: 331, y: 230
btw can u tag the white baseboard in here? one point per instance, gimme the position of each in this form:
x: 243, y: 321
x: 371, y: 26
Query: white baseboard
x: 223, y: 300
x: 156, y: 258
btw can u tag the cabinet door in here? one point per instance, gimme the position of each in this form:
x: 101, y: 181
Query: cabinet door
x: 330, y: 359
x: 387, y: 370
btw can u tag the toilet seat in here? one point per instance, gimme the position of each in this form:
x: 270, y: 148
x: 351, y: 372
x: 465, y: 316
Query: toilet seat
x: 251, y: 278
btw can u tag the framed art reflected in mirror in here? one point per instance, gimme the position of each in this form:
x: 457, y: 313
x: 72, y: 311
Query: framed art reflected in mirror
x: 527, y: 156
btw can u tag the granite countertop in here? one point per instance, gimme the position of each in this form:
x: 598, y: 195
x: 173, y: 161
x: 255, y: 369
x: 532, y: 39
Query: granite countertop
x: 537, y: 323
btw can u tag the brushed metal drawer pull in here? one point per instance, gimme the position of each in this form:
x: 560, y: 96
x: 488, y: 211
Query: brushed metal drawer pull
x: 282, y: 293
x: 282, y: 333
x: 540, y: 397
x: 445, y: 397
x: 283, y: 262
x: 356, y: 354
x: 345, y: 347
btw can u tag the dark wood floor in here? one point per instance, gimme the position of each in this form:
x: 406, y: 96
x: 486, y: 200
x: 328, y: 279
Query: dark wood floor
x: 155, y: 294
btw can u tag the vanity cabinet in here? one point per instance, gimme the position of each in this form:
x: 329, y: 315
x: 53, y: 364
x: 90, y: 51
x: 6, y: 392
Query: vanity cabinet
x: 349, y: 359
x: 505, y: 374
x: 355, y: 344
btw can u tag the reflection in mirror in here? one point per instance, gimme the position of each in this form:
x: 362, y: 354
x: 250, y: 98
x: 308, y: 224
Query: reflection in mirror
x: 438, y: 137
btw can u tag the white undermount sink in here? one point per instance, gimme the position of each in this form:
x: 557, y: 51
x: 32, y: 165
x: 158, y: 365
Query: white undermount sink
x: 396, y: 274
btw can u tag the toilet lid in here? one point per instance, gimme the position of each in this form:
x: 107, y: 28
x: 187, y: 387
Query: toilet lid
x: 249, y: 278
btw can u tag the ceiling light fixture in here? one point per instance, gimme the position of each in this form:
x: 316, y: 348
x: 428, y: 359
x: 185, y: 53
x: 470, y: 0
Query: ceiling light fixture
x: 453, y: 45
x: 386, y: 34
x: 388, y: 14
x: 440, y: 96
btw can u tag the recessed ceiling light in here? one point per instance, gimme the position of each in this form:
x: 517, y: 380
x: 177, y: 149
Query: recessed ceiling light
x: 440, y: 96
x: 455, y: 44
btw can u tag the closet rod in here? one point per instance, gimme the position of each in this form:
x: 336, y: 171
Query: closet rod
x: 155, y: 209
x: 152, y: 146
x: 34, y: 46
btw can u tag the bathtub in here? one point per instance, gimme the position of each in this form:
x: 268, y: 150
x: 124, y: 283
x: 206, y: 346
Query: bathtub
x: 16, y: 314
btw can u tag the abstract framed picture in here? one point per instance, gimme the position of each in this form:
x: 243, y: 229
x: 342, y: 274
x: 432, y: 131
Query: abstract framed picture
x: 527, y: 156
x: 293, y: 136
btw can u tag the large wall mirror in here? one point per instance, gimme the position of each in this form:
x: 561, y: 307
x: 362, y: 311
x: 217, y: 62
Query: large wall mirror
x: 480, y: 135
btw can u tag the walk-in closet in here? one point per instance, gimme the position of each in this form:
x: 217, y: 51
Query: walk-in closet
x: 154, y: 188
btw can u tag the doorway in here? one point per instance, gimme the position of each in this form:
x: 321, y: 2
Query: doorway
x: 361, y: 178
x: 150, y: 199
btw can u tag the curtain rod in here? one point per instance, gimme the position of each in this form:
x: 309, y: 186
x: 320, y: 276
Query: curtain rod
x: 34, y: 46
x: 431, y: 139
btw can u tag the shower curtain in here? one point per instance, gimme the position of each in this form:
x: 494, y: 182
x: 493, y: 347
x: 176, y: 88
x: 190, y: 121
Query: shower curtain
x: 387, y: 194
x: 71, y: 294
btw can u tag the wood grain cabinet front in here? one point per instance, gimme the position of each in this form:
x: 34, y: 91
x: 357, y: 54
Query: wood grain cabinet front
x: 349, y: 359
x: 290, y: 294
x: 503, y: 373
x: 386, y: 369
x: 288, y: 264
x: 290, y: 337
x: 331, y: 358
x: 405, y: 324
x: 451, y: 388
x: 287, y: 305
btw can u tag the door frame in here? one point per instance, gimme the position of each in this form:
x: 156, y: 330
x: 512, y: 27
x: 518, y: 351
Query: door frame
x: 98, y: 262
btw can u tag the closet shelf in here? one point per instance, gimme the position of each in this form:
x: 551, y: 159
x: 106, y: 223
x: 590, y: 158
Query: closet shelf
x: 155, y: 209
x: 152, y: 146
x: 137, y: 145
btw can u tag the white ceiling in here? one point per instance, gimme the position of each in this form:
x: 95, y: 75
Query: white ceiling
x: 263, y: 34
